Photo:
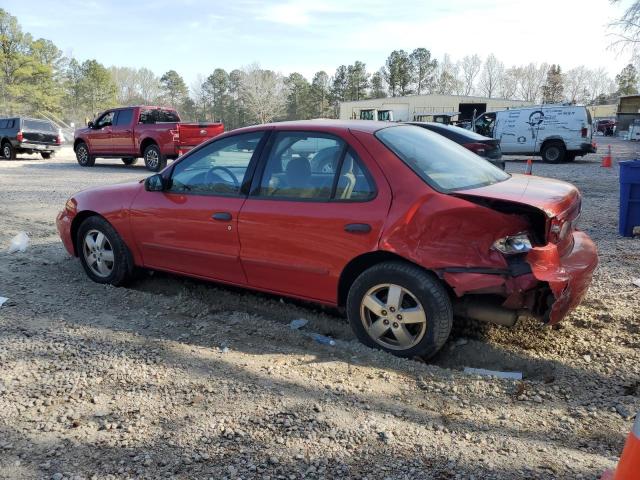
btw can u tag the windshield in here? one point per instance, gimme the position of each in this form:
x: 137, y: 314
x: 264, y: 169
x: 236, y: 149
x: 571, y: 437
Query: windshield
x: 441, y: 163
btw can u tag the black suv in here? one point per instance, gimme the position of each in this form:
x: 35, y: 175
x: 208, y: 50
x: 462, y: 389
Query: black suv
x: 28, y: 135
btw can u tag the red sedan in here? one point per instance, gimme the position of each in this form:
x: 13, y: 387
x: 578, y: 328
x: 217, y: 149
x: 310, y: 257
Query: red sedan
x: 407, y: 229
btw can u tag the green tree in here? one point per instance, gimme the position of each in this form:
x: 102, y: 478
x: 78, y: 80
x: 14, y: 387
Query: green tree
x: 398, y: 72
x: 627, y: 81
x: 553, y: 89
x: 357, y: 81
x: 216, y: 89
x: 378, y: 86
x: 97, y: 89
x: 236, y: 112
x: 424, y: 70
x: 298, y: 97
x: 174, y: 88
x: 320, y: 93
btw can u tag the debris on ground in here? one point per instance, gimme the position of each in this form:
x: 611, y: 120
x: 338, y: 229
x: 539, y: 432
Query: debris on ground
x: 298, y: 323
x: 19, y: 243
x: 2, y: 300
x: 493, y: 373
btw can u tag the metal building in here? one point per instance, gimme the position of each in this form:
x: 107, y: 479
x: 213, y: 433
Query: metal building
x: 423, y: 107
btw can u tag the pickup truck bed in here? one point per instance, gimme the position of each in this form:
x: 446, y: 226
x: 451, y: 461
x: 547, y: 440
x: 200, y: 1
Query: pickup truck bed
x: 153, y: 133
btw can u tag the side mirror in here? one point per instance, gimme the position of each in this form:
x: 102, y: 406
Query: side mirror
x: 90, y: 124
x: 155, y: 183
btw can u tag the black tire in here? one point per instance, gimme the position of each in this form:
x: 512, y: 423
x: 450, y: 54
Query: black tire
x: 47, y: 155
x: 122, y: 267
x: 84, y: 158
x: 8, y: 152
x: 129, y: 161
x: 153, y: 158
x: 553, y: 152
x: 423, y: 287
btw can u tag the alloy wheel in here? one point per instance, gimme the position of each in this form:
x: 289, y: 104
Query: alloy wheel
x: 553, y: 153
x: 151, y: 158
x: 98, y: 253
x: 6, y: 151
x: 393, y: 317
x: 83, y: 154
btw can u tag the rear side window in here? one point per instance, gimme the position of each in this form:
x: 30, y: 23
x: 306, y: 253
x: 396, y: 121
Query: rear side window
x: 168, y: 116
x: 38, y: 125
x: 4, y: 123
x: 124, y: 117
x: 443, y: 164
x: 11, y: 123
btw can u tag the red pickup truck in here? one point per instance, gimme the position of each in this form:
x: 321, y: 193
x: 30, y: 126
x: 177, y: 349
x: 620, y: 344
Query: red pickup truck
x: 153, y: 133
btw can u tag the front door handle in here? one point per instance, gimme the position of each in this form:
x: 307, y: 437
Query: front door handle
x: 357, y: 228
x: 222, y: 216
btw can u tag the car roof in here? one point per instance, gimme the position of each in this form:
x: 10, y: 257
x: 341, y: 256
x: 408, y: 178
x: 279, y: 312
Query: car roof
x: 323, y: 124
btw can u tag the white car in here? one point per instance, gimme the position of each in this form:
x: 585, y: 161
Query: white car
x: 555, y: 132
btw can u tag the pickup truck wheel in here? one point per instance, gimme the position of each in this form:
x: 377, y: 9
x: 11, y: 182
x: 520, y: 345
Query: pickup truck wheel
x: 153, y: 159
x: 47, y: 155
x: 129, y: 161
x: 8, y: 152
x: 400, y: 308
x: 553, y: 152
x: 103, y: 254
x: 83, y: 157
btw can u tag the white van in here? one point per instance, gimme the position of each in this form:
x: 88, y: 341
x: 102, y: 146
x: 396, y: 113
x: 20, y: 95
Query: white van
x: 555, y: 132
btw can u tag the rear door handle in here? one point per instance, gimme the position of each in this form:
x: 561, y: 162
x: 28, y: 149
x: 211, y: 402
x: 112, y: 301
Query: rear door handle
x: 222, y: 216
x: 357, y: 228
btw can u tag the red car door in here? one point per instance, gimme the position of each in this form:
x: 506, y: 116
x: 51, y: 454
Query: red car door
x: 100, y: 137
x: 318, y: 203
x: 191, y: 228
x: 122, y: 132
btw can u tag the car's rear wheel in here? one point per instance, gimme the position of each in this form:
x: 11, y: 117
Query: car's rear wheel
x: 84, y: 158
x: 103, y: 254
x: 553, y: 152
x: 400, y: 308
x: 129, y: 161
x: 8, y: 152
x: 153, y: 158
x: 46, y: 155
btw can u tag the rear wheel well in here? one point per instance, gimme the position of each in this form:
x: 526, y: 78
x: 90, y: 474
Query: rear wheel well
x: 549, y: 141
x: 359, y: 264
x: 75, y: 225
x: 145, y: 143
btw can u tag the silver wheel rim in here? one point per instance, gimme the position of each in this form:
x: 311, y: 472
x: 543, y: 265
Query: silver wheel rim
x: 151, y: 158
x: 6, y: 151
x: 326, y: 168
x: 98, y: 253
x: 393, y: 317
x: 552, y: 154
x: 82, y: 154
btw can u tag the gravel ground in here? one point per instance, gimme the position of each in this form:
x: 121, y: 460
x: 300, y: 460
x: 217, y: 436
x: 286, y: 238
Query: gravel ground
x: 175, y: 378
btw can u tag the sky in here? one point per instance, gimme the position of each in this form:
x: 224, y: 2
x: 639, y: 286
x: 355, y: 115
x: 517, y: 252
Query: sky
x: 194, y: 37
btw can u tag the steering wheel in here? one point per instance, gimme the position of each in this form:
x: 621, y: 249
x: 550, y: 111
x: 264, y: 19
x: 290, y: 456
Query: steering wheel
x: 211, y: 177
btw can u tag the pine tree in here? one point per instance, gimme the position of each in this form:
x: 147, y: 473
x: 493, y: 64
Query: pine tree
x: 553, y: 89
x: 627, y: 81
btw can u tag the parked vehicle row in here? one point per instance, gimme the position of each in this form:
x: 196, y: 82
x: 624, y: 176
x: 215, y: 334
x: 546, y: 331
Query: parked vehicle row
x: 28, y: 135
x: 155, y: 134
x: 404, y: 229
x: 555, y: 132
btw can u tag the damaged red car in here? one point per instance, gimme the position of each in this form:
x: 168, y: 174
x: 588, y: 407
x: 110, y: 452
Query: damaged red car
x: 407, y: 230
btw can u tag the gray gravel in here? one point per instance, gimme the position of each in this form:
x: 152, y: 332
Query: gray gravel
x: 174, y: 378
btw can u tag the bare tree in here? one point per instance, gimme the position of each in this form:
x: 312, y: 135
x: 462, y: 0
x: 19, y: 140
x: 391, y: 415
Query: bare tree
x: 599, y: 83
x: 263, y: 93
x: 447, y: 81
x: 627, y: 27
x: 470, y: 67
x: 509, y: 84
x: 575, y: 85
x: 531, y: 81
x: 148, y: 86
x: 491, y: 76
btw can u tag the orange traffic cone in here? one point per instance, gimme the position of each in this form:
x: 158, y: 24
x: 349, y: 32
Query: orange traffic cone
x: 629, y: 465
x: 606, y: 160
x: 529, y: 167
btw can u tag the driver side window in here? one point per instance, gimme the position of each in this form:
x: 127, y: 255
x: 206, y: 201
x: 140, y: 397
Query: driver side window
x: 105, y: 120
x: 216, y: 169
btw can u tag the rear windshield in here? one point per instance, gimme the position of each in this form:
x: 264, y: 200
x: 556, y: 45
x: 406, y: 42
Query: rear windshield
x: 158, y: 115
x: 441, y: 163
x: 38, y: 125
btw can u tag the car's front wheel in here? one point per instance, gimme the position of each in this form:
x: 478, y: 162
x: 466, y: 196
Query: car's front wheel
x: 103, y: 254
x: 84, y: 158
x: 400, y: 308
